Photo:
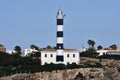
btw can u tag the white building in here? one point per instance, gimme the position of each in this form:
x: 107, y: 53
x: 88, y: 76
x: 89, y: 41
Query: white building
x: 24, y: 53
x: 49, y: 56
x: 28, y: 52
x: 60, y: 55
x: 108, y: 52
x: 10, y: 51
x: 102, y: 52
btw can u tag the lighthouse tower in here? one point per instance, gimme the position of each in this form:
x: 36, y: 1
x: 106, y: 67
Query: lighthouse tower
x: 60, y: 55
x: 59, y: 45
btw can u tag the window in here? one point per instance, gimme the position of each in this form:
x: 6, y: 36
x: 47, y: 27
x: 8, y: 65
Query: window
x: 68, y: 55
x: 59, y: 58
x: 45, y: 55
x: 73, y: 55
x: 51, y: 55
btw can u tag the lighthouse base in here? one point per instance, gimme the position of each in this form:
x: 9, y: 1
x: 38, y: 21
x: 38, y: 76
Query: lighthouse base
x: 59, y: 58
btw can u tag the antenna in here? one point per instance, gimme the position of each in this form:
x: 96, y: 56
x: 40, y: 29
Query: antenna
x: 59, y: 7
x: 83, y: 46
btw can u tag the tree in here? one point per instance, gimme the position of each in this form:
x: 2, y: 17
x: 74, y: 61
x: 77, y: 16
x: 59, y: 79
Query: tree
x: 55, y: 47
x: 1, y: 45
x: 113, y: 47
x: 17, y: 49
x: 49, y: 47
x: 34, y: 47
x: 91, y: 43
x: 99, y: 47
x: 89, y: 53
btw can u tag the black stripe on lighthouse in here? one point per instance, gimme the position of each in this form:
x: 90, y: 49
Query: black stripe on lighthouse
x: 60, y: 58
x: 59, y: 33
x: 60, y: 46
x: 59, y: 21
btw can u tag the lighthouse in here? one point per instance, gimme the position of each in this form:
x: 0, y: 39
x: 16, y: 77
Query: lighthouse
x: 60, y: 55
x: 60, y: 45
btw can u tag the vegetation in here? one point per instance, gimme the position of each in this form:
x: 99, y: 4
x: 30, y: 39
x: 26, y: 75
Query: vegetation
x: 91, y: 51
x: 1, y: 45
x: 12, y: 64
x: 99, y: 47
x: 115, y: 57
x: 48, y: 47
x: 91, y: 64
x: 91, y: 43
x: 90, y: 54
x: 34, y: 47
x: 113, y: 47
x: 17, y: 49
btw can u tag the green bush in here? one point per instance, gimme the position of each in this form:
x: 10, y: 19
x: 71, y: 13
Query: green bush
x: 91, y: 54
x: 115, y: 57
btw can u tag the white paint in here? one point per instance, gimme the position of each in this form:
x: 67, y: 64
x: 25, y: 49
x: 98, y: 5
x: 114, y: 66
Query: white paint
x: 48, y: 59
x: 67, y: 59
x: 71, y: 59
x: 59, y: 27
x: 109, y: 52
x: 10, y: 51
x: 60, y: 52
x: 101, y: 52
x: 60, y: 15
x: 59, y: 39
x: 27, y: 52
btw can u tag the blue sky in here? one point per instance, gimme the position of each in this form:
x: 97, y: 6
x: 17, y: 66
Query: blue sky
x: 26, y: 22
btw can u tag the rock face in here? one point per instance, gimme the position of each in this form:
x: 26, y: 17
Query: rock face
x: 110, y: 71
x: 74, y: 74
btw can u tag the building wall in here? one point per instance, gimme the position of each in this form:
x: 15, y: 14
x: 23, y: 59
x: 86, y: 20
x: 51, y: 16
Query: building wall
x: 10, y: 51
x: 2, y: 49
x: 69, y: 58
x: 102, y: 52
x: 109, y: 52
x: 27, y: 52
x: 48, y: 57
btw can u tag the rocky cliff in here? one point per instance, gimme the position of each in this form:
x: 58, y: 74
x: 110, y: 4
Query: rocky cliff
x: 109, y: 71
x: 73, y: 74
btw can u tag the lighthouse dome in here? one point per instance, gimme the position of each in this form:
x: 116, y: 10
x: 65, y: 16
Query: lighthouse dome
x: 60, y: 14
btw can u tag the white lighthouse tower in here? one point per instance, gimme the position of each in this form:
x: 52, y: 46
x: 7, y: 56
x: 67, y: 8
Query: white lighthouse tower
x: 59, y: 45
x: 60, y: 55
